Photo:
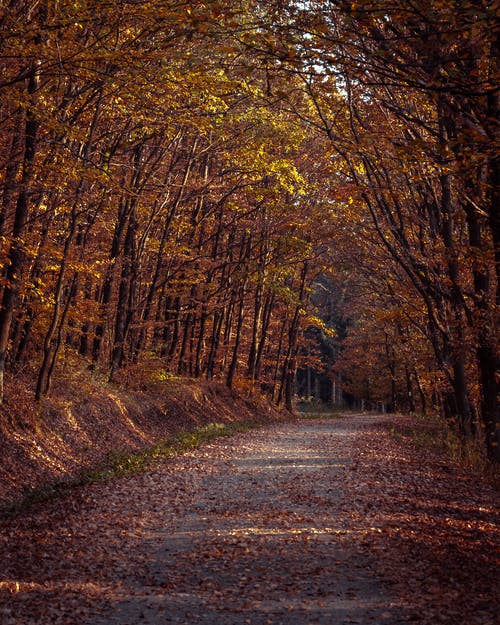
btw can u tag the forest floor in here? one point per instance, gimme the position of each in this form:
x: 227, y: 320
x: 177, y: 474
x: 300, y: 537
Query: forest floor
x: 329, y: 521
x: 87, y: 425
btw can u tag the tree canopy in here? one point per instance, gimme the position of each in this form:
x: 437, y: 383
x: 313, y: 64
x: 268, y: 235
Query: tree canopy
x: 180, y: 181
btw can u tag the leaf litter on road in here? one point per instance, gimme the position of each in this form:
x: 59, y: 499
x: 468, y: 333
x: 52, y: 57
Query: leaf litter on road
x: 309, y: 522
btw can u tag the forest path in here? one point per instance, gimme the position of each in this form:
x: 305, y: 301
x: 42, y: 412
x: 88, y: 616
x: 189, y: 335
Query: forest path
x: 328, y: 521
x: 260, y: 541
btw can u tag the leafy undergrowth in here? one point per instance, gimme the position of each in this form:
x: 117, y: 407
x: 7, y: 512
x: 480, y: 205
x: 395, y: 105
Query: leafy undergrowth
x: 88, y: 429
x: 127, y: 464
x: 436, y: 526
x: 432, y: 433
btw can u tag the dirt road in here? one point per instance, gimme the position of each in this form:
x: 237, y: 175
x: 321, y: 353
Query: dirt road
x: 261, y: 541
x: 263, y: 528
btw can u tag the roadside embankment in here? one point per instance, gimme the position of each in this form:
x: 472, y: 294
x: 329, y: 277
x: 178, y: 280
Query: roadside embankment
x: 86, y: 423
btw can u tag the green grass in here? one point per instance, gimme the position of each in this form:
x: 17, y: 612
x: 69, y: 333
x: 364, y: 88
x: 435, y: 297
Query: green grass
x: 426, y: 436
x: 118, y: 464
x: 433, y: 434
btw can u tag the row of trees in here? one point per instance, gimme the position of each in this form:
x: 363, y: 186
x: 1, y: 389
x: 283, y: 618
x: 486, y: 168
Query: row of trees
x: 415, y: 135
x: 154, y: 208
x: 175, y: 177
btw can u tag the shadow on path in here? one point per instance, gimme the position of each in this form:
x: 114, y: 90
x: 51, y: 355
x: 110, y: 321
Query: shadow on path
x: 262, y: 541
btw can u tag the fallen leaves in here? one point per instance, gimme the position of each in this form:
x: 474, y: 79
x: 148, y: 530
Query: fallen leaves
x: 440, y: 530
x: 265, y: 527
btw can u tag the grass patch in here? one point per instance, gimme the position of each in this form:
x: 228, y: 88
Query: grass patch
x: 428, y: 435
x: 119, y: 464
x: 432, y: 433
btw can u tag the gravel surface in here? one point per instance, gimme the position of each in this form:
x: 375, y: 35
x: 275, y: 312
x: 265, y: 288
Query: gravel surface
x: 261, y: 540
x: 330, y: 521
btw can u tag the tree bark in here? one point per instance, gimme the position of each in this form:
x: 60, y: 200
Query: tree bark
x: 16, y: 254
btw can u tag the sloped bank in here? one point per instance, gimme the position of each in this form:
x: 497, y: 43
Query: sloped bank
x: 85, y: 423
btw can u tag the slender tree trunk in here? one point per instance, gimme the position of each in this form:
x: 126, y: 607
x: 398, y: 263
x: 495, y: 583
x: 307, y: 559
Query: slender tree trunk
x: 53, y: 337
x: 215, y: 342
x: 50, y: 344
x: 487, y: 354
x: 23, y: 331
x: 84, y: 343
x: 160, y: 256
x: 277, y: 397
x: 176, y: 329
x: 237, y: 340
x: 266, y: 319
x: 58, y: 337
x: 107, y: 288
x: 391, y: 362
x: 460, y: 382
x: 421, y: 394
x: 11, y: 172
x: 122, y: 311
x: 256, y: 330
x: 181, y: 365
x: 16, y: 252
x: 409, y: 391
x: 200, y: 346
x: 290, y: 364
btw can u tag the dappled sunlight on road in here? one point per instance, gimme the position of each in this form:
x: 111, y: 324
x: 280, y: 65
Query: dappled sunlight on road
x: 325, y: 522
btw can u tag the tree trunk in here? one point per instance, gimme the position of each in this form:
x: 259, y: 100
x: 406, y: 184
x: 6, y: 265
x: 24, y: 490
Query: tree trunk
x: 256, y: 330
x: 215, y: 341
x: 122, y: 310
x: 107, y: 288
x: 266, y: 319
x: 16, y: 254
x: 200, y: 347
x: 460, y: 382
x: 290, y: 364
x: 11, y: 173
x: 237, y: 340
x: 51, y: 344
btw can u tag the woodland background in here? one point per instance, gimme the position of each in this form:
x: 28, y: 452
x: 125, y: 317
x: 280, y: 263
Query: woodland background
x: 237, y: 191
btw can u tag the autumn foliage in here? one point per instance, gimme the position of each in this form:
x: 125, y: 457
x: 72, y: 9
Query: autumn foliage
x: 175, y: 177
